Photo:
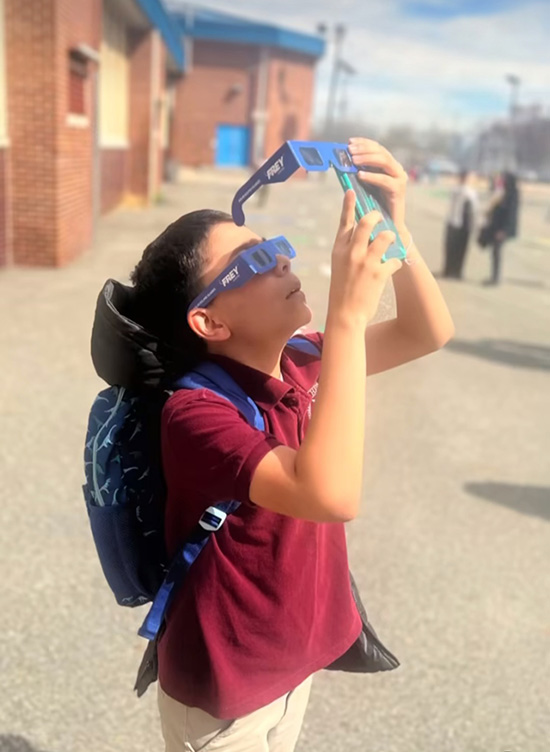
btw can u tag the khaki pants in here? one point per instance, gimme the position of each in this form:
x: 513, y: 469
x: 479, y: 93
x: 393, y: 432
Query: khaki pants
x: 274, y: 728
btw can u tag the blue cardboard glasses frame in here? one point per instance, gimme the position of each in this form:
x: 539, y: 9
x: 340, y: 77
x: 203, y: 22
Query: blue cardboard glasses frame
x: 319, y: 156
x: 259, y: 259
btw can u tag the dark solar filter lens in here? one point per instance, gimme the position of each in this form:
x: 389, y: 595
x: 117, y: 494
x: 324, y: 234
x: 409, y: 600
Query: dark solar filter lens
x: 343, y: 157
x: 283, y: 246
x: 311, y: 156
x: 261, y: 257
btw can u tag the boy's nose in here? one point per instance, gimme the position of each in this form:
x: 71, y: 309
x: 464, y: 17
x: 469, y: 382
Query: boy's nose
x: 283, y: 264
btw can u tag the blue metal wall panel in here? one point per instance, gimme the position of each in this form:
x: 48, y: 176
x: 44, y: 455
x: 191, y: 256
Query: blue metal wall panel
x: 232, y: 145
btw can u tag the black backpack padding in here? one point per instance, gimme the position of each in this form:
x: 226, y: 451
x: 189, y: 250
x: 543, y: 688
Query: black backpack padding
x: 123, y: 352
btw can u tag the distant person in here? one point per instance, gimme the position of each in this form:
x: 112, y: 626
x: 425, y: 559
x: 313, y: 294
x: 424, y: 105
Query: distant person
x: 501, y: 221
x: 460, y: 222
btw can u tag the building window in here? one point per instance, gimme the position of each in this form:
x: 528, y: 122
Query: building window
x: 78, y: 75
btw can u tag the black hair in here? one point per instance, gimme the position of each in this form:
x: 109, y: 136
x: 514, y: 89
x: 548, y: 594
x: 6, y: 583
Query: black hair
x: 167, y: 279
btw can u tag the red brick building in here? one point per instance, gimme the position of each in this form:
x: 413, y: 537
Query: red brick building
x: 97, y: 95
x: 247, y: 88
x: 70, y: 75
x: 5, y: 204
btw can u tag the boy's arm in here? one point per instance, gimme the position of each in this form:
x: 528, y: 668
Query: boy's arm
x: 423, y: 323
x: 321, y: 481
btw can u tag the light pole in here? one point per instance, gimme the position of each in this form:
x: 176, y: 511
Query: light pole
x: 514, y: 82
x: 339, y: 34
x: 349, y: 71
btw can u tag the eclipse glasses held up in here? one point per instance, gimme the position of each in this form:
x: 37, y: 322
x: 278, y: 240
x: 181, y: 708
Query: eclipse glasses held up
x: 320, y: 156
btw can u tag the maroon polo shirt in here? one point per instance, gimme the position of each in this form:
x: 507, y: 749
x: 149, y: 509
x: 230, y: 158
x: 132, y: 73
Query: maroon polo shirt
x: 268, y: 601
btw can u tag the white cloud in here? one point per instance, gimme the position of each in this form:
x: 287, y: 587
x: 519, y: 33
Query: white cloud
x: 422, y: 71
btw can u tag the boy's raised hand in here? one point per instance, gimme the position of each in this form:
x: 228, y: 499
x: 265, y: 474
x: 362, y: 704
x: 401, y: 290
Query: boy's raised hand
x: 358, y: 274
x: 392, y: 181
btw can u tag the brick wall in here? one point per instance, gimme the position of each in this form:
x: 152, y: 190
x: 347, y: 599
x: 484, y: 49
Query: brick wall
x: 76, y: 23
x: 31, y: 90
x: 159, y: 113
x: 114, y: 177
x: 4, y: 207
x: 51, y: 161
x: 204, y: 99
x: 147, y: 89
x: 59, y: 180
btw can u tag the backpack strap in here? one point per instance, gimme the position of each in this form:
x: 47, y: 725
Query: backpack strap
x: 206, y: 376
x: 211, y: 520
x: 210, y: 376
x: 304, y: 345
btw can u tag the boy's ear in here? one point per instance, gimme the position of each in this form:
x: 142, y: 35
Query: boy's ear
x: 207, y: 326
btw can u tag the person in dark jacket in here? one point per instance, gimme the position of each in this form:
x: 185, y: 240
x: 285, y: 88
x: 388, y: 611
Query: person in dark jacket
x: 502, y: 222
x: 460, y: 222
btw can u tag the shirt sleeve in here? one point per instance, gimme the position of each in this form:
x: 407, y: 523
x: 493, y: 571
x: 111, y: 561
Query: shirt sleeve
x: 209, y: 446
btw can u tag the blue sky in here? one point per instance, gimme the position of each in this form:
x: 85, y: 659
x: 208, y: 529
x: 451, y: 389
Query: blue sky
x: 425, y: 62
x: 453, y: 8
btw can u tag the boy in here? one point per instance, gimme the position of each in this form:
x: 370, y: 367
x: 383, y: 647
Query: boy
x: 268, y: 602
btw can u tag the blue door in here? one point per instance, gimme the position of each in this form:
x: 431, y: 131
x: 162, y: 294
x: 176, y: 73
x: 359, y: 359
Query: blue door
x: 233, y: 146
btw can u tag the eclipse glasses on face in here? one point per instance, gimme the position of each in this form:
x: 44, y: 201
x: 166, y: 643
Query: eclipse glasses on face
x: 319, y: 156
x: 259, y: 259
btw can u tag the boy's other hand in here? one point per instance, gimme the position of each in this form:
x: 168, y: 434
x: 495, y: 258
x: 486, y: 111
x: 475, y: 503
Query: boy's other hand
x: 358, y: 273
x: 392, y: 181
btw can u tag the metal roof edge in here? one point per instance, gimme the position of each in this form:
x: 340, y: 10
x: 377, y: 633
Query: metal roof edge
x: 217, y: 26
x: 164, y: 22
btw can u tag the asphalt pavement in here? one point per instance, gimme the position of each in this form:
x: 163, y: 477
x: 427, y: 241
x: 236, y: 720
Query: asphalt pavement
x: 451, y: 549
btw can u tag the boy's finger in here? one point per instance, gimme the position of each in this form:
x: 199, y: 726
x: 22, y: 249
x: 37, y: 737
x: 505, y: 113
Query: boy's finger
x: 378, y: 179
x: 347, y: 217
x: 365, y: 228
x: 366, y: 144
x: 390, y: 166
x: 381, y: 243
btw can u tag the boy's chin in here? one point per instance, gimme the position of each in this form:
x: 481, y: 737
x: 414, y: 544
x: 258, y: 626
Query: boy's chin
x: 306, y: 316
x: 300, y: 318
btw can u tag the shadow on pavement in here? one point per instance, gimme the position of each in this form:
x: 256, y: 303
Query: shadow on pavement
x: 515, y: 354
x: 531, y: 500
x: 10, y: 743
x: 532, y: 283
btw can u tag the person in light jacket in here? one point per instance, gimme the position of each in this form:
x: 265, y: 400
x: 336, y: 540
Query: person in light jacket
x: 460, y: 223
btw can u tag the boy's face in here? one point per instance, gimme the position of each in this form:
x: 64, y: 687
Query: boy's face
x: 263, y: 308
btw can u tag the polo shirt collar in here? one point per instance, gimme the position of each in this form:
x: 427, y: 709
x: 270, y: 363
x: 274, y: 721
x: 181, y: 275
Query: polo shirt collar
x: 265, y: 390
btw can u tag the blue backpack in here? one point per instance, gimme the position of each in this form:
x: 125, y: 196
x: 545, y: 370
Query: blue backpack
x: 125, y: 490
